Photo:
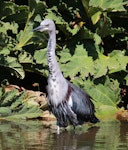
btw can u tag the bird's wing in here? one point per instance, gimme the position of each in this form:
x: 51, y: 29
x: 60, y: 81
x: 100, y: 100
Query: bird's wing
x: 82, y: 103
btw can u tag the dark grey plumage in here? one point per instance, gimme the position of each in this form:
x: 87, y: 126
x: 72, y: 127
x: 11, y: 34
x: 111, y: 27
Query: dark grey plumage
x: 69, y: 103
x: 82, y: 109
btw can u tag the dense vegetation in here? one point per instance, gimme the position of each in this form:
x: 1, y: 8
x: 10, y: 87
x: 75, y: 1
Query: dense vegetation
x: 92, y: 47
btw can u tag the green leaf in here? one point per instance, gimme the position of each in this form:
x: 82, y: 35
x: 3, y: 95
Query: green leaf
x: 24, y: 36
x: 101, y: 66
x: 105, y: 28
x: 25, y: 112
x: 78, y: 63
x: 4, y: 111
x: 114, y: 62
x: 120, y: 61
x: 7, y: 43
x: 25, y: 57
x: 105, y: 97
x: 114, y: 5
x: 106, y: 112
x: 60, y: 22
x: 7, y: 98
x: 95, y: 18
x: 11, y: 12
x: 6, y: 26
x: 41, y: 56
x: 15, y: 105
x: 35, y: 7
x: 12, y: 65
x: 5, y: 51
x: 107, y: 94
x: 18, y: 100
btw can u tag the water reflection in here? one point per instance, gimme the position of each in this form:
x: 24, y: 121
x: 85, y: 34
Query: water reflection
x: 72, y: 141
x: 31, y: 135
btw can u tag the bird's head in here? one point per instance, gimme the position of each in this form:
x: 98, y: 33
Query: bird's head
x: 45, y: 25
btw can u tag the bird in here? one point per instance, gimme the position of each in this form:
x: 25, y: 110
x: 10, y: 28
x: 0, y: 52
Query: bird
x: 70, y: 104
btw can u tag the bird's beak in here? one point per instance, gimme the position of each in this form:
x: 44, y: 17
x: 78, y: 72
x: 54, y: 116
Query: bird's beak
x: 37, y: 28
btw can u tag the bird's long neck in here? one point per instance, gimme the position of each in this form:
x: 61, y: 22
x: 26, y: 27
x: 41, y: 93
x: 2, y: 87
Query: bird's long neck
x: 52, y: 62
x: 56, y: 80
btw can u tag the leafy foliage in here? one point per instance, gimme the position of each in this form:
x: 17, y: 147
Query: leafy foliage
x: 105, y: 96
x: 12, y: 64
x: 84, y: 32
x: 14, y: 105
x: 115, y: 5
x: 76, y: 63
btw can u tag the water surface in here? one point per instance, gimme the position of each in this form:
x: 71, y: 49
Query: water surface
x: 31, y: 135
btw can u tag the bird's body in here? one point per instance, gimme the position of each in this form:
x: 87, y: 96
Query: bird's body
x: 69, y: 103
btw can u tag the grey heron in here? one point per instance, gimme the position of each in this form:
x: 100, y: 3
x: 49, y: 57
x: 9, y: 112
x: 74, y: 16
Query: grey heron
x: 69, y: 103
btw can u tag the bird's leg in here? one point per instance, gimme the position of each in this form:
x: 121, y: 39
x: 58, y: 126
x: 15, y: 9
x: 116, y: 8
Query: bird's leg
x: 58, y: 129
x: 74, y: 127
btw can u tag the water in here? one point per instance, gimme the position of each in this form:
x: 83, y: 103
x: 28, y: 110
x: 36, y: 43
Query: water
x: 30, y: 135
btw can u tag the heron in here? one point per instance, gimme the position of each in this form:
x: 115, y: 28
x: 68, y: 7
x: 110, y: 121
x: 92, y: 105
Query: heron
x: 70, y: 104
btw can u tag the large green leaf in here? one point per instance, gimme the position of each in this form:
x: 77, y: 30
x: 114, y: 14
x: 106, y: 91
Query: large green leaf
x: 114, y: 5
x: 26, y: 112
x: 41, y: 56
x: 6, y: 99
x: 24, y: 37
x: 101, y: 66
x: 106, y: 112
x: 120, y: 60
x: 15, y: 105
x: 105, y: 97
x: 18, y: 100
x: 114, y: 62
x: 4, y: 111
x: 32, y: 112
x: 79, y: 62
x: 13, y: 65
